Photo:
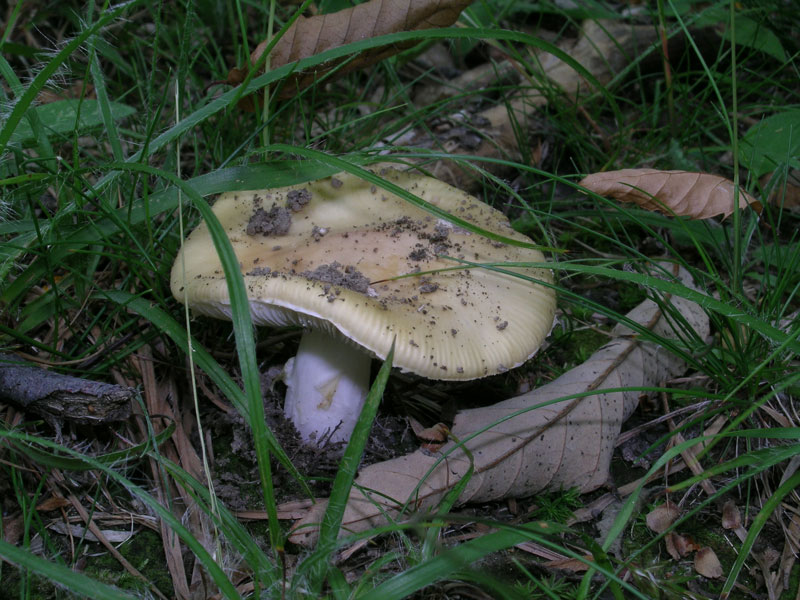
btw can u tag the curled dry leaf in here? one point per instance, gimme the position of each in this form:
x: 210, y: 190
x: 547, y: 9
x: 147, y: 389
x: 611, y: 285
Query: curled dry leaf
x: 707, y: 564
x: 662, y: 517
x: 312, y: 35
x: 679, y: 545
x: 683, y: 193
x: 565, y: 444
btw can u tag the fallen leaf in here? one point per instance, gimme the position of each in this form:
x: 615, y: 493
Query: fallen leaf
x: 309, y: 36
x: 731, y: 519
x: 553, y: 443
x: 683, y: 193
x: 78, y: 531
x: 571, y: 564
x: 431, y: 439
x: 707, y: 564
x: 679, y: 545
x: 662, y: 517
x: 13, y: 527
x: 52, y: 503
x: 785, y: 191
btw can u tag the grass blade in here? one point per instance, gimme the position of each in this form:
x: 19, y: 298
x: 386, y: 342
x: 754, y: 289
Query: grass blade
x: 348, y: 467
x: 77, y: 583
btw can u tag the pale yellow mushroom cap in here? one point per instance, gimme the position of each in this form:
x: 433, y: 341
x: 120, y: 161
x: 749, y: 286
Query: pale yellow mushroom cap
x: 325, y: 254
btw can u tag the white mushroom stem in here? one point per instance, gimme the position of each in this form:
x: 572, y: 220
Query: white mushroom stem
x: 327, y: 383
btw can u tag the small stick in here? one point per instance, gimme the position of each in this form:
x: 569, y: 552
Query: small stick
x: 58, y: 397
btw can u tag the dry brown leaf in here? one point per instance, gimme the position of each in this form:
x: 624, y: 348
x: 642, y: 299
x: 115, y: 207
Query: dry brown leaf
x: 309, y: 36
x: 684, y: 193
x: 707, y: 564
x: 571, y: 564
x: 679, y: 545
x: 662, y: 517
x: 13, y: 528
x: 565, y: 444
x: 112, y: 535
x: 786, y: 195
x: 731, y: 518
x: 52, y: 503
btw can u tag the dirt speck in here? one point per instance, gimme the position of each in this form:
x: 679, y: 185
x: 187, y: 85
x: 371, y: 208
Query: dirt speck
x: 440, y: 232
x: 428, y: 287
x: 297, y: 199
x: 418, y: 254
x: 336, y: 183
x: 276, y: 221
x: 318, y: 232
x: 347, y: 277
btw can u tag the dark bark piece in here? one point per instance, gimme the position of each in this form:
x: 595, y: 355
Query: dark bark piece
x: 58, y: 397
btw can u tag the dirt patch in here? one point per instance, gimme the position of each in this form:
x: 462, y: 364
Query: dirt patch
x: 276, y: 221
x: 347, y: 277
x: 236, y: 480
x: 297, y: 199
x: 428, y: 286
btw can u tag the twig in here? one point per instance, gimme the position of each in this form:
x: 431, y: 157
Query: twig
x: 58, y: 397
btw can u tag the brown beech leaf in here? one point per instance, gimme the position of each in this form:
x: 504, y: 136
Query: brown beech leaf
x: 707, y: 564
x: 731, y: 518
x: 684, y: 193
x: 662, y: 517
x: 567, y: 443
x: 312, y: 35
x: 52, y: 503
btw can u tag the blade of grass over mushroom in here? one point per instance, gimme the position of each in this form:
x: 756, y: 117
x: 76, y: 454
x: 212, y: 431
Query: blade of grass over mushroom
x: 348, y: 465
x: 505, y: 269
x: 75, y: 582
x: 213, y: 569
x: 343, y: 165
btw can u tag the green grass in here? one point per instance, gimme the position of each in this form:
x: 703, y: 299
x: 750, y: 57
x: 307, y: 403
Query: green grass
x: 92, y: 188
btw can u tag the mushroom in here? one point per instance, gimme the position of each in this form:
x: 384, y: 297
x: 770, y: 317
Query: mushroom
x: 359, y: 267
